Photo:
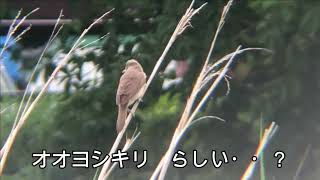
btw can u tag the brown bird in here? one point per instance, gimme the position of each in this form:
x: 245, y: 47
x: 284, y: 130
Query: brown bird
x: 130, y: 89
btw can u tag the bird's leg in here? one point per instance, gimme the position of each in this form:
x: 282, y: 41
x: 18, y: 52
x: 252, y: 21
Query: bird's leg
x: 130, y: 112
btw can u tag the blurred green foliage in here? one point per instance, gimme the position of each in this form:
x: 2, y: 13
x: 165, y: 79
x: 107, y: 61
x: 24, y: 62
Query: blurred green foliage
x: 282, y: 87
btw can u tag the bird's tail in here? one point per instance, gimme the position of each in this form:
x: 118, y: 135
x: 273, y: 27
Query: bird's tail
x: 122, y: 116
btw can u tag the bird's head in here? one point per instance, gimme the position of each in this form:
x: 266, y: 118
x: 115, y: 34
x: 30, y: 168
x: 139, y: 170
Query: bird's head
x: 132, y: 63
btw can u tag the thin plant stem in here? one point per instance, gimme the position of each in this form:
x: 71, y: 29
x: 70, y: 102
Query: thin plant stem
x: 14, y: 27
x: 194, y: 113
x: 182, y: 25
x: 194, y: 93
x: 25, y: 116
x: 19, y: 114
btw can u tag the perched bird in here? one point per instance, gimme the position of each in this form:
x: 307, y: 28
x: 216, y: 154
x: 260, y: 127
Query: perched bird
x: 130, y: 89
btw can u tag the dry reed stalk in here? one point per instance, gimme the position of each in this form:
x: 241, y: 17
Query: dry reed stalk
x: 126, y: 147
x: 267, y: 135
x: 12, y: 30
x: 182, y: 25
x: 302, y: 162
x: 185, y: 120
x: 206, y: 75
x: 30, y: 108
x: 14, y: 27
x: 5, y: 109
x: 19, y: 114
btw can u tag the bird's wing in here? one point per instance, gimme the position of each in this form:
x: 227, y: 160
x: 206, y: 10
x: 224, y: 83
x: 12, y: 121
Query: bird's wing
x: 130, y: 84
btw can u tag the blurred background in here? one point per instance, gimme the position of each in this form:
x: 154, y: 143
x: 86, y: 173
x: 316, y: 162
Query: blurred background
x: 79, y: 110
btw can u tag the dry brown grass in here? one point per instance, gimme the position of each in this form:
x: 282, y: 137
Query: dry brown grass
x: 30, y: 105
